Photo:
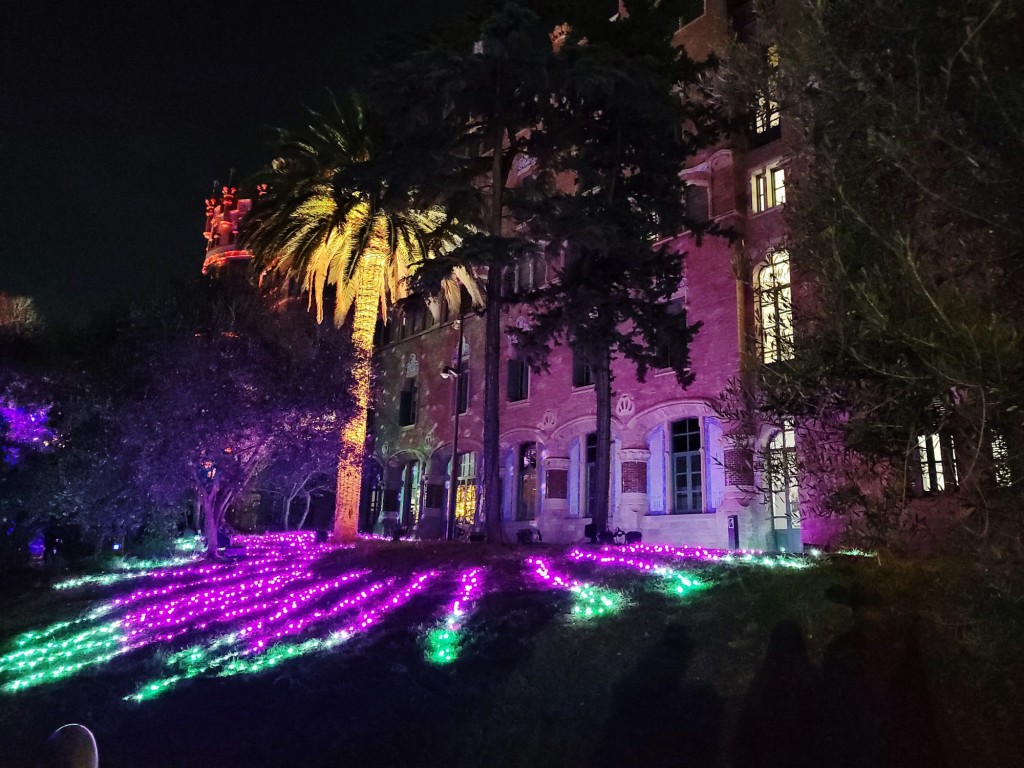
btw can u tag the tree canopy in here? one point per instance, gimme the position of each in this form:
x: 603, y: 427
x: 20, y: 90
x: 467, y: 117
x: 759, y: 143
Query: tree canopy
x: 902, y: 121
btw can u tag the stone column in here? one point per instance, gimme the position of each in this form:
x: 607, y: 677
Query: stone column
x: 633, y: 501
x: 739, y: 493
x: 435, y: 506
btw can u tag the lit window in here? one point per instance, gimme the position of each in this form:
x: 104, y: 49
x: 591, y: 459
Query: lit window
x: 767, y: 188
x: 782, y: 496
x: 938, y: 462
x: 465, y: 492
x: 1001, y: 460
x: 774, y: 306
x: 766, y: 114
x: 687, y: 477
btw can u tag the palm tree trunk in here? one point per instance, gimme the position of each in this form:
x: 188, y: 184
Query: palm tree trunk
x: 353, y: 434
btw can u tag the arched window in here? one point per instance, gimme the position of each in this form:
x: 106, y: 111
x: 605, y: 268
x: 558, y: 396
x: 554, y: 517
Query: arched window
x: 774, y: 306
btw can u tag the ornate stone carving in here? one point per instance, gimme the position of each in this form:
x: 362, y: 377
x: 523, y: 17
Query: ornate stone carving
x: 634, y: 454
x: 548, y: 421
x: 625, y: 407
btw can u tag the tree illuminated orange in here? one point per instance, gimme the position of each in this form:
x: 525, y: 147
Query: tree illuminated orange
x: 325, y: 221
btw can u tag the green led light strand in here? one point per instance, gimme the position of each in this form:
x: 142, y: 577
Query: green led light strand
x: 592, y: 602
x: 444, y: 642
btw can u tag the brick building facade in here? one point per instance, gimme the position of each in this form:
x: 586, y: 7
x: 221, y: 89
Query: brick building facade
x: 680, y: 474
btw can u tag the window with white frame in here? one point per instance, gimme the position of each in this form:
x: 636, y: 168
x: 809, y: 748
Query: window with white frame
x: 780, y: 480
x: 529, y: 273
x: 767, y: 188
x: 774, y: 306
x: 582, y: 373
x: 686, y: 465
x: 517, y: 380
x: 938, y: 461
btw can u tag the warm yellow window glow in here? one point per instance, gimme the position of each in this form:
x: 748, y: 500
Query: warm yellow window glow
x: 774, y: 306
x: 938, y: 462
x: 767, y: 188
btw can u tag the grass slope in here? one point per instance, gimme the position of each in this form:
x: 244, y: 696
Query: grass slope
x: 852, y: 662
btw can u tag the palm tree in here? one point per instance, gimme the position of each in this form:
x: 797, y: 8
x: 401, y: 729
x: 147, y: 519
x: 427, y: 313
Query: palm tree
x: 337, y: 212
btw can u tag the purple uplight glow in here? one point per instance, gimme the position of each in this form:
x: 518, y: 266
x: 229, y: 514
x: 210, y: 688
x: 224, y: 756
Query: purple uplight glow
x: 26, y: 428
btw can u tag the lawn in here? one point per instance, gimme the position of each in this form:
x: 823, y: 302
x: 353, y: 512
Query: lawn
x: 395, y: 654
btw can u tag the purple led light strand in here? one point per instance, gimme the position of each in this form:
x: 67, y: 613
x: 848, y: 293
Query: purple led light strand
x: 304, y: 597
x: 604, y: 558
x: 371, y: 616
x: 300, y: 623
x: 221, y: 573
x: 225, y: 609
x: 470, y: 586
x: 542, y: 571
x: 727, y: 556
x: 701, y: 554
x: 254, y: 659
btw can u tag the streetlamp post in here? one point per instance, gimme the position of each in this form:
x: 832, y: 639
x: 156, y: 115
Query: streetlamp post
x: 455, y: 374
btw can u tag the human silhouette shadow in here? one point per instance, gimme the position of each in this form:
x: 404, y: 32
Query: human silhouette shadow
x: 657, y: 718
x: 869, y: 707
x: 880, y: 711
x: 775, y: 726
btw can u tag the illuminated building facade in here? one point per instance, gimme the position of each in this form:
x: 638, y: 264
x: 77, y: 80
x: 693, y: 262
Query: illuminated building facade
x: 680, y: 474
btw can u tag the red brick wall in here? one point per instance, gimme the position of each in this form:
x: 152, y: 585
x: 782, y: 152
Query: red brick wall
x: 558, y: 483
x: 634, y: 477
x: 739, y: 467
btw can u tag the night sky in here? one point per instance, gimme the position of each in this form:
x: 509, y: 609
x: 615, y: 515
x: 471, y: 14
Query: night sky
x: 115, y: 120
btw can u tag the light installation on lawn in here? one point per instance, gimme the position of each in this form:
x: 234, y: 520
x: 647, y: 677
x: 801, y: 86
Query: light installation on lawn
x: 241, y: 617
x: 709, y: 555
x: 195, y: 597
x: 262, y: 655
x: 589, y: 602
x: 444, y: 641
x: 676, y: 582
